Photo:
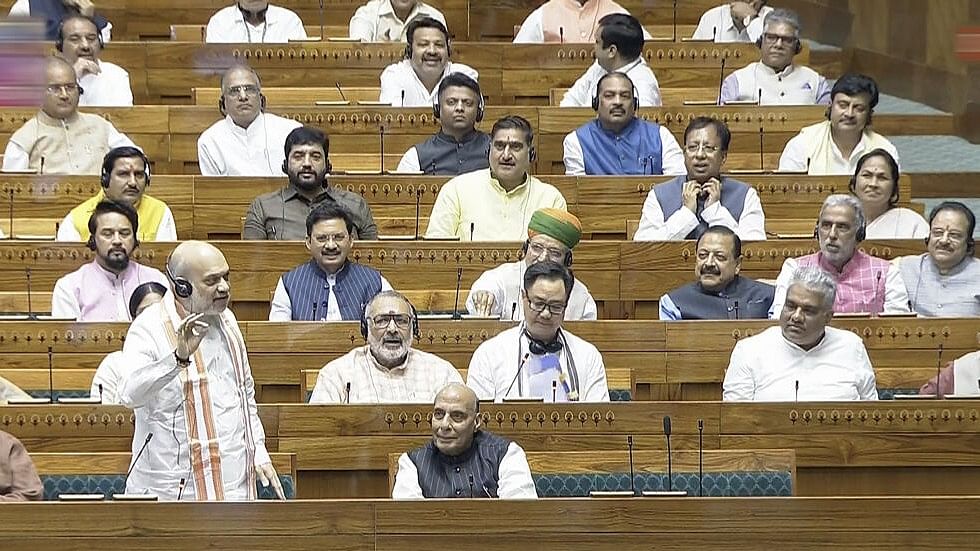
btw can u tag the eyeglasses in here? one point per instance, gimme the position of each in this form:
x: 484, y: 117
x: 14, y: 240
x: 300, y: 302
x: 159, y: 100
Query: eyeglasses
x: 554, y: 253
x: 952, y: 236
x: 540, y: 306
x: 381, y: 321
x: 693, y: 148
x: 248, y: 89
x: 336, y: 238
x: 62, y: 88
x: 773, y: 38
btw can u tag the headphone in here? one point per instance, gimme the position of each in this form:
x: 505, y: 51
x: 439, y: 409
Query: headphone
x: 971, y: 221
x: 415, y: 322
x: 182, y: 287
x: 527, y: 243
x: 479, y: 108
x: 798, y: 49
x: 285, y: 164
x: 538, y: 347
x: 136, y: 242
x: 636, y: 94
x: 110, y: 162
x: 222, y: 109
x: 59, y: 43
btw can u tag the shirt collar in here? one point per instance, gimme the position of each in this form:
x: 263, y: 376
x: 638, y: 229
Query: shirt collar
x: 48, y: 120
x: 848, y: 266
x: 773, y: 73
x: 630, y: 66
x: 626, y: 131
x: 290, y: 192
x: 796, y: 348
x: 953, y: 272
x: 253, y: 128
x: 524, y: 186
x: 469, y: 137
x: 386, y: 9
x: 111, y: 277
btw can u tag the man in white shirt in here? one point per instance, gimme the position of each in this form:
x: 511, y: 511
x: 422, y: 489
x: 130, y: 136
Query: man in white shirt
x: 835, y: 145
x: 802, y: 359
x: 551, y: 235
x: 618, y: 45
x: 254, y: 21
x: 571, y: 21
x: 617, y: 142
x: 461, y: 460
x: 684, y: 208
x: 414, y: 81
x: 738, y: 21
x: 387, y: 370
x: 53, y: 12
x: 775, y: 76
x: 386, y: 20
x: 247, y: 141
x: 189, y: 383
x: 538, y: 359
x: 106, y: 84
x: 495, y: 204
x: 865, y: 284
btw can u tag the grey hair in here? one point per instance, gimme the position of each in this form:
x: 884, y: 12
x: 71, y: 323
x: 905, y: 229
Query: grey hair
x: 385, y: 294
x: 815, y: 279
x: 840, y: 199
x: 783, y: 15
x: 240, y: 67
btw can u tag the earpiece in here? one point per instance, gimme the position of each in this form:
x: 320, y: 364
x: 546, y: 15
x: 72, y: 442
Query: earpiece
x: 537, y: 347
x: 221, y: 105
x: 479, y: 110
x: 796, y: 50
x: 262, y: 102
x: 182, y: 287
x: 107, y: 169
x: 595, y: 96
x: 59, y: 41
x: 91, y: 242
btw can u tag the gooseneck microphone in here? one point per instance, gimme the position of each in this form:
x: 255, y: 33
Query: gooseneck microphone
x: 796, y: 390
x: 51, y: 374
x: 322, y: 36
x: 10, y: 212
x: 418, y: 210
x: 381, y: 161
x: 874, y: 304
x: 670, y: 469
x: 30, y: 307
x: 337, y: 84
x: 520, y: 367
x: 762, y: 145
x: 138, y: 455
x: 180, y: 487
x: 721, y: 80
x: 629, y: 445
x: 673, y: 34
x: 939, y: 366
x: 471, y: 486
x: 700, y: 457
x: 347, y: 393
x: 459, y: 280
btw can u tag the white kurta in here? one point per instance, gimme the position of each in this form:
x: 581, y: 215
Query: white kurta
x: 717, y: 24
x: 767, y: 368
x: 794, y: 85
x: 795, y: 158
x: 583, y: 91
x: 416, y: 381
x: 109, y: 377
x: 228, y: 25
x: 898, y: 223
x: 896, y: 296
x: 166, y: 231
x: 750, y: 226
x: 505, y: 283
x: 154, y: 386
x: 376, y: 21
x: 282, y: 306
x: 226, y: 149
x: 110, y: 88
x: 495, y: 363
x: 514, y: 479
x: 671, y: 156
x: 532, y: 30
x: 401, y: 87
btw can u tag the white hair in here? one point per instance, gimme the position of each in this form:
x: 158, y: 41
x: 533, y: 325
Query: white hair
x: 840, y: 199
x: 783, y: 15
x: 816, y: 279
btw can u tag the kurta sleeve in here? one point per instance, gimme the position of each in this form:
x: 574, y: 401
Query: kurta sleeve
x: 64, y: 304
x: 782, y: 285
x: 514, y: 480
x: 167, y: 231
x: 729, y: 89
x: 866, y: 386
x: 480, y: 375
x: 896, y: 295
x: 580, y: 94
x: 15, y: 158
x: 671, y: 156
x: 409, y: 161
x: 653, y: 227
x: 406, y: 480
x: 793, y: 158
x: 258, y: 432
x: 444, y: 219
x: 147, y: 374
x: 363, y: 24
x: 595, y: 388
x: 573, y: 157
x: 739, y: 385
x: 67, y: 231
x: 282, y: 308
x: 18, y: 480
x: 329, y: 389
x: 531, y: 31
x: 668, y: 310
x: 751, y: 225
x: 489, y: 282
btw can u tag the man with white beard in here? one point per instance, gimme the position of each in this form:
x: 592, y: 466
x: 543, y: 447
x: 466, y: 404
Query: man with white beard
x: 387, y: 369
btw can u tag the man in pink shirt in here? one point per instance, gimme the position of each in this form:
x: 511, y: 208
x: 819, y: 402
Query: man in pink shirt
x: 100, y: 290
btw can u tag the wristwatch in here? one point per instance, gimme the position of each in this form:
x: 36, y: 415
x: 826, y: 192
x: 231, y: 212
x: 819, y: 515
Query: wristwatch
x: 181, y: 362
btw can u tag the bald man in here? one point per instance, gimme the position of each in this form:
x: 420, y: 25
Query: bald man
x: 462, y: 460
x: 191, y: 386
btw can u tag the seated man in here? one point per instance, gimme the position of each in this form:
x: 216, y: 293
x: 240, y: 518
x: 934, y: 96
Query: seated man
x: 864, y: 283
x: 572, y: 21
x: 720, y: 293
x: 387, y: 370
x: 254, y: 21
x: 18, y: 478
x: 683, y: 208
x: 618, y: 49
x: 53, y: 12
x: 60, y: 139
x: 461, y: 460
x: 385, y: 20
x: 494, y: 204
x: 738, y: 21
x: 106, y: 84
x: 960, y: 376
x: 125, y: 178
x: 328, y: 287
x: 617, y: 142
x: 108, y: 380
x: 246, y: 141
x: 458, y: 147
x: 802, y: 359
x: 281, y: 215
x: 414, y: 81
x: 775, y: 76
x: 835, y: 145
x: 537, y: 359
x: 101, y: 289
x: 945, y: 281
x: 551, y: 235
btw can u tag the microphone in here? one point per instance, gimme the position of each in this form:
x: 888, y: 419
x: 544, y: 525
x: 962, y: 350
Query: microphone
x: 42, y: 165
x: 554, y: 391
x: 337, y: 84
x: 513, y: 310
x: 347, y: 393
x: 381, y: 161
x: 721, y: 79
x: 670, y: 470
x: 796, y: 384
x: 30, y: 308
x: 700, y: 457
x: 673, y: 34
x: 180, y: 487
x: 314, y: 311
x: 472, y: 229
x: 459, y: 280
x: 939, y: 366
x: 51, y: 374
x: 138, y: 455
x: 874, y: 299
x: 629, y: 445
x: 403, y: 98
x: 736, y: 308
x: 100, y: 393
x: 762, y: 155
x: 520, y: 366
x: 10, y: 213
x: 471, y: 486
x: 561, y: 35
x: 322, y: 36
x: 418, y: 211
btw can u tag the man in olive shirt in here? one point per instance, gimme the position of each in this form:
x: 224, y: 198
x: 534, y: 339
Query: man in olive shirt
x: 281, y: 215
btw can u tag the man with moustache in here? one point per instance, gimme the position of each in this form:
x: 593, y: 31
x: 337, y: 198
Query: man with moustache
x: 254, y: 21
x: 617, y: 141
x: 387, y: 20
x: 106, y: 84
x: 282, y: 215
x: 720, y: 292
x: 864, y: 284
x: 462, y: 460
x: 328, y: 287
x: 684, y: 208
x: 802, y: 359
x: 539, y: 359
x: 125, y: 179
x: 100, y: 290
x: 387, y: 370
x: 189, y: 383
x: 414, y: 81
x: 739, y: 21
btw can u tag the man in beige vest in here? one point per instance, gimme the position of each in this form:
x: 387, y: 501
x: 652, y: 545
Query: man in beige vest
x: 59, y: 139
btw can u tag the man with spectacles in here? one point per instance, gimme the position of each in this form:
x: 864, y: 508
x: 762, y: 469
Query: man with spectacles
x: 254, y: 21
x: 617, y: 141
x: 495, y: 204
x: 247, y: 141
x: 538, y: 359
x: 60, y: 139
x: 328, y: 287
x: 775, y: 76
x: 387, y: 370
x: 739, y: 21
x: 551, y: 235
x: 945, y: 281
x: 106, y: 84
x: 684, y: 207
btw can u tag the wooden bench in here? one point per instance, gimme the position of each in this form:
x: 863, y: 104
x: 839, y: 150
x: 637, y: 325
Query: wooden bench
x: 296, y: 96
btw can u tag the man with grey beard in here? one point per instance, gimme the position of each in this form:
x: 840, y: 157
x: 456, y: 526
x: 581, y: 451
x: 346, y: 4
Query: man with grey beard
x: 387, y: 369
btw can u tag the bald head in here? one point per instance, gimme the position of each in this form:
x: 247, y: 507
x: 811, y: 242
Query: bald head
x: 62, y: 92
x: 205, y: 268
x: 241, y: 95
x: 461, y: 393
x: 455, y: 419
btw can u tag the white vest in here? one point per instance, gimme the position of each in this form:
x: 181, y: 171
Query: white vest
x: 794, y: 85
